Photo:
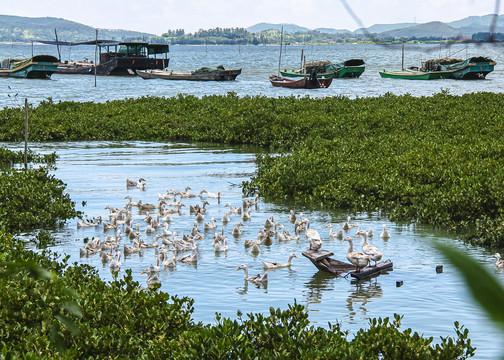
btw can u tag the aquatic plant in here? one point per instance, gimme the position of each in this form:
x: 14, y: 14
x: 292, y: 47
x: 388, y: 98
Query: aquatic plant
x: 434, y: 160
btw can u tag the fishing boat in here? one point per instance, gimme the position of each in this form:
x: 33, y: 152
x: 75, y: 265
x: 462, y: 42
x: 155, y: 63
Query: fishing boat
x: 473, y: 68
x: 311, y: 82
x: 352, y: 68
x: 116, y: 58
x: 218, y: 73
x: 36, y: 67
x: 412, y: 74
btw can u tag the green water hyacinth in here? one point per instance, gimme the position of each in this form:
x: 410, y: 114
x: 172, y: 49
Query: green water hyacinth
x: 435, y: 160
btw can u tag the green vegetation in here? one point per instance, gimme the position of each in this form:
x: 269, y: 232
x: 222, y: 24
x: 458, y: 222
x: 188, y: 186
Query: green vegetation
x: 26, y: 29
x: 53, y: 310
x: 434, y: 160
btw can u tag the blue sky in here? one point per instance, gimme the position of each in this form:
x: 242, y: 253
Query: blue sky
x: 158, y: 16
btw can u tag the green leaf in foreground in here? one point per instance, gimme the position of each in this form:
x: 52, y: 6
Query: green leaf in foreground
x: 484, y: 287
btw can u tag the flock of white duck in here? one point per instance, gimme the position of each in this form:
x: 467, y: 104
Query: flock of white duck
x: 157, y: 218
x: 126, y: 237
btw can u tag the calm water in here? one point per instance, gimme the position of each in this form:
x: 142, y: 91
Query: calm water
x: 257, y: 62
x: 96, y: 173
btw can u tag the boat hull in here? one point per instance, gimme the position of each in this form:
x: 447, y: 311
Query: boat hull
x: 219, y: 75
x: 345, y: 72
x: 416, y: 75
x: 37, y: 67
x: 302, y: 83
x: 474, y: 71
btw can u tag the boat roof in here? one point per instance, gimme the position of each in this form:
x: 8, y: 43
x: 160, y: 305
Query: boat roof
x: 151, y: 48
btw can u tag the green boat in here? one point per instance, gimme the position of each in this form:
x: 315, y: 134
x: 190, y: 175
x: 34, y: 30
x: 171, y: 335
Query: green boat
x: 36, y: 67
x: 352, y: 68
x: 473, y: 68
x: 409, y: 74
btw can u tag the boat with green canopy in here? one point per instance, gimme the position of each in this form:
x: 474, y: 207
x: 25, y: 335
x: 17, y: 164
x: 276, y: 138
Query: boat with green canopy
x: 352, y: 68
x: 474, y: 68
x: 36, y: 67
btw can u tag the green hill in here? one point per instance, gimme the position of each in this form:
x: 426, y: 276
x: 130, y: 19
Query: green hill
x: 288, y: 28
x: 434, y: 29
x: 25, y: 29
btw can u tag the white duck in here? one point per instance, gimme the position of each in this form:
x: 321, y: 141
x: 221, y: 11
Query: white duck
x: 385, y: 234
x: 499, y: 263
x: 247, y: 215
x: 237, y: 231
x: 208, y: 226
x: 313, y: 236
x: 169, y: 262
x: 334, y: 234
x: 269, y: 223
x: 219, y: 247
x: 369, y: 249
x: 115, y: 264
x: 278, y: 265
x: 132, y: 183
x: 258, y: 278
x: 212, y: 195
x: 152, y: 277
x: 347, y: 225
x: 358, y: 259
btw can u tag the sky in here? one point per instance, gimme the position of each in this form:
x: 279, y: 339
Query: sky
x: 159, y: 16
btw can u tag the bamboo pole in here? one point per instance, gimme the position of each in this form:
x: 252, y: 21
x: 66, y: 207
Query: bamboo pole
x: 57, y: 46
x: 95, y: 56
x: 402, y: 61
x: 280, y: 57
x: 26, y: 135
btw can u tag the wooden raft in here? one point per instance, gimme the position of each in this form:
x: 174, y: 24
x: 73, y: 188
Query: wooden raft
x: 323, y: 262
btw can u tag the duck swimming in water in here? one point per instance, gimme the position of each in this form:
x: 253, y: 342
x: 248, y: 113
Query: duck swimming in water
x: 258, y: 278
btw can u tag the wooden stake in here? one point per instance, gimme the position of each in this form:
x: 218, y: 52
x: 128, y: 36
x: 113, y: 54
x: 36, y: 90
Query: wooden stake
x: 26, y: 135
x: 95, y: 56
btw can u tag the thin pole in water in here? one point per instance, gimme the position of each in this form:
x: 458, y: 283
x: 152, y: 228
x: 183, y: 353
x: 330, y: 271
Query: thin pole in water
x: 402, y: 61
x: 280, y: 57
x: 95, y: 55
x: 26, y: 135
x: 57, y: 45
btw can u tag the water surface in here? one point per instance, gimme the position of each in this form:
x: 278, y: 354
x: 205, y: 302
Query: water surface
x: 257, y: 63
x: 95, y: 173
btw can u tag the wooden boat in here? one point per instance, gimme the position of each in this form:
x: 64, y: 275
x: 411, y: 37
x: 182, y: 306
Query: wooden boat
x: 302, y: 83
x: 203, y: 74
x: 415, y: 74
x: 36, y: 67
x: 473, y: 68
x: 352, y: 68
x: 321, y: 259
x: 116, y: 58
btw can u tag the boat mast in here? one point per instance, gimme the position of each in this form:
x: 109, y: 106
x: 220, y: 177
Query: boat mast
x: 95, y: 56
x: 57, y: 45
x: 280, y: 57
x: 402, y: 61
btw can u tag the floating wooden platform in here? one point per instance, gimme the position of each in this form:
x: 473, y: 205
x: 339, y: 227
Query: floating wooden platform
x: 321, y: 259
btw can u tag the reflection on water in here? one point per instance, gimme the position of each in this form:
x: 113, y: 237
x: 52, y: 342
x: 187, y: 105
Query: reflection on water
x: 319, y: 283
x: 95, y: 173
x: 362, y: 292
